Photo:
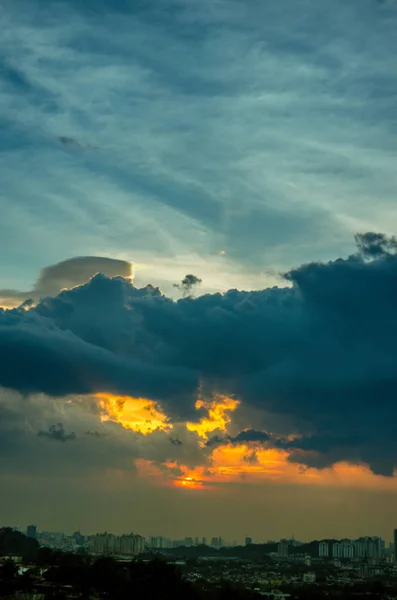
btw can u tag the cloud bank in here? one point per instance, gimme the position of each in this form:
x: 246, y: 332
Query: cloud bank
x: 321, y: 352
x: 67, y: 274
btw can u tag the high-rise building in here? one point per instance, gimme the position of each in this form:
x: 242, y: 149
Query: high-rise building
x: 160, y: 542
x: 79, y: 539
x: 204, y: 541
x: 196, y: 541
x: 395, y: 545
x: 323, y: 549
x: 248, y: 541
x: 369, y: 547
x: 125, y: 545
x: 31, y: 531
x: 347, y: 549
x: 282, y: 549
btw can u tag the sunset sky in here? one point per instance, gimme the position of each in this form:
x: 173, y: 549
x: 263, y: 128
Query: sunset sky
x: 251, y: 143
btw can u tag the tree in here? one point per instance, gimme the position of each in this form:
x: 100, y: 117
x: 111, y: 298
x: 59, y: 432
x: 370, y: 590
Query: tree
x: 15, y: 542
x: 9, y: 570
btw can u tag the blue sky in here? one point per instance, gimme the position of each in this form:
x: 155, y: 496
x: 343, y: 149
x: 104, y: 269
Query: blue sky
x: 232, y: 139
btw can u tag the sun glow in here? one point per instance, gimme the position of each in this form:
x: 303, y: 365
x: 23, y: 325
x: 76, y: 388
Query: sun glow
x: 138, y: 414
x: 189, y: 483
x: 226, y: 464
x: 218, y: 416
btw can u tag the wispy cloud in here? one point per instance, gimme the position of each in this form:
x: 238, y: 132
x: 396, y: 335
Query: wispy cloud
x: 264, y: 130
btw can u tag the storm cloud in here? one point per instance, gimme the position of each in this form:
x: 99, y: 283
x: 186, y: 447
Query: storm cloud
x: 320, y: 351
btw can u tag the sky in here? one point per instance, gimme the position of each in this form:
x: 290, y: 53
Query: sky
x: 252, y: 145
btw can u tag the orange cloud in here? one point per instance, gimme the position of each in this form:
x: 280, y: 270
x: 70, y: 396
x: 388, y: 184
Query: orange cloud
x: 173, y: 474
x: 138, y: 414
x: 218, y: 415
x: 230, y: 465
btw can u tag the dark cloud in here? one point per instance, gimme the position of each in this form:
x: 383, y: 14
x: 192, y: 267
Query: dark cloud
x: 69, y: 142
x: 94, y: 433
x: 250, y: 435
x: 373, y: 245
x: 176, y: 441
x: 217, y: 440
x: 57, y: 433
x: 251, y: 458
x: 243, y: 437
x: 188, y: 284
x: 67, y: 274
x: 37, y: 355
x: 321, y: 352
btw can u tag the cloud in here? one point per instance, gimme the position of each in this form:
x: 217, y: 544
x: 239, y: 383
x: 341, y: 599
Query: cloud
x: 39, y: 355
x: 67, y: 274
x: 320, y: 353
x: 57, y: 433
x: 243, y: 437
x: 188, y: 284
x: 98, y: 446
x: 269, y: 140
x: 72, y: 144
x: 27, y: 421
x: 373, y: 245
x: 251, y: 458
x: 250, y: 435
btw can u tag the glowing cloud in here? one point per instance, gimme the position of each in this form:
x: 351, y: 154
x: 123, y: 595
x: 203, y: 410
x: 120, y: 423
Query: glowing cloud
x: 138, y: 414
x: 218, y: 416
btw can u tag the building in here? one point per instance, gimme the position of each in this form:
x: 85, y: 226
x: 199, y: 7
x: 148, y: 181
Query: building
x: 343, y: 549
x: 323, y: 549
x: 125, y: 545
x: 395, y: 545
x: 131, y: 545
x: 31, y: 531
x: 216, y: 542
x: 204, y: 541
x: 103, y: 543
x: 282, y: 548
x: 79, y: 539
x: 369, y: 547
x: 347, y: 549
x: 308, y: 560
x: 159, y: 542
x: 248, y: 541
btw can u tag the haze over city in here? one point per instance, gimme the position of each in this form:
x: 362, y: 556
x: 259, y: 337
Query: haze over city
x: 198, y: 267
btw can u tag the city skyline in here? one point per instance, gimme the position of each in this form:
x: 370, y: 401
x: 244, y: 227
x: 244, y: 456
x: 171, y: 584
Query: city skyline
x: 213, y: 540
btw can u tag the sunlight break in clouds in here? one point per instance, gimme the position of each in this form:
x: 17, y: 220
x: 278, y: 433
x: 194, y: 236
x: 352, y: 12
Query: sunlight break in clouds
x: 218, y: 415
x: 138, y: 414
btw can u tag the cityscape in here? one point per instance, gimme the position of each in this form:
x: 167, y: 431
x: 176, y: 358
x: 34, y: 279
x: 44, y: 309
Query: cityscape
x: 271, y: 569
x: 368, y: 547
